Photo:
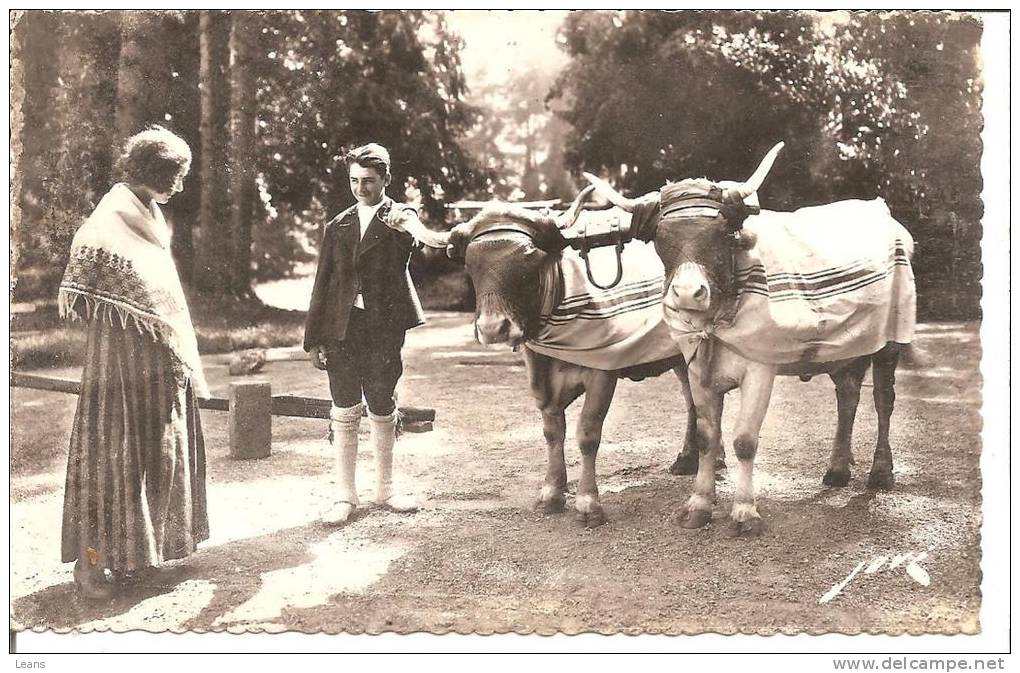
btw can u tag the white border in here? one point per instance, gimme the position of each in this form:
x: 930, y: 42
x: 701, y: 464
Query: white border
x: 996, y: 589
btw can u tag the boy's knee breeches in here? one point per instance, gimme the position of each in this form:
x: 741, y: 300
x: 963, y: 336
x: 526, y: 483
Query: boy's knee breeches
x: 367, y: 364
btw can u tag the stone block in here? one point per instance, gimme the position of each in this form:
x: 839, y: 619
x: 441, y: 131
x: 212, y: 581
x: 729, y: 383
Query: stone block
x: 251, y: 420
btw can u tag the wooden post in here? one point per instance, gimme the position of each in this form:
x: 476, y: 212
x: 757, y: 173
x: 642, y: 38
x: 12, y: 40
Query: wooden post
x: 251, y: 420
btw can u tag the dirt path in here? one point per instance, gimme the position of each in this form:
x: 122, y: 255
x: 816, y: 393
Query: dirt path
x: 479, y: 558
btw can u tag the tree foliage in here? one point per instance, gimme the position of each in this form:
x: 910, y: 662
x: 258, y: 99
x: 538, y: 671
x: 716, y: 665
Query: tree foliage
x: 332, y: 80
x: 869, y: 104
x: 66, y: 134
x: 518, y: 139
x: 318, y: 83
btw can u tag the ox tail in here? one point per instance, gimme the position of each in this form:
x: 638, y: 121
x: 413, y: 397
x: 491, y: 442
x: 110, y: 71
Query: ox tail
x: 913, y: 356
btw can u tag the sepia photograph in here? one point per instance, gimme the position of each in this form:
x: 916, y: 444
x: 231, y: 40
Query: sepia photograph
x: 377, y: 322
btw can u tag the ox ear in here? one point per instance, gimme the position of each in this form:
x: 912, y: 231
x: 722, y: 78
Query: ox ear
x: 548, y: 237
x: 744, y: 239
x: 457, y: 240
x: 734, y: 195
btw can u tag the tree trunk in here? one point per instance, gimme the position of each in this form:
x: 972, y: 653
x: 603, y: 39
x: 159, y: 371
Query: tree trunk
x: 212, y: 268
x: 153, y: 48
x: 131, y: 84
x: 41, y: 216
x: 17, y: 141
x: 144, y: 70
x: 184, y: 110
x: 242, y: 131
x: 85, y: 106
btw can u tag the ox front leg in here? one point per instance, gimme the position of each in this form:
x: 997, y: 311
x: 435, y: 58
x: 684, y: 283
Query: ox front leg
x: 884, y: 374
x: 697, y: 512
x: 755, y: 392
x: 848, y: 394
x: 553, y: 386
x: 597, y: 398
x: 552, y: 499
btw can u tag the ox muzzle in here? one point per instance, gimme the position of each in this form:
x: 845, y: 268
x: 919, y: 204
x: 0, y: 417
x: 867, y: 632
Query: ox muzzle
x: 495, y: 325
x: 689, y: 289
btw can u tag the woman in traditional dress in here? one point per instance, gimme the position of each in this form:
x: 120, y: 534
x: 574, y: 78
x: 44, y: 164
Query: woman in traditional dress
x: 135, y: 491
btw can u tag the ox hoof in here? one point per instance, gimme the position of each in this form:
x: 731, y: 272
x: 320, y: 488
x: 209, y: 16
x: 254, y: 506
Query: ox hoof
x: 749, y: 528
x: 695, y: 518
x: 593, y: 518
x: 881, y: 481
x: 589, y: 511
x: 685, y: 463
x: 836, y: 478
x: 552, y: 504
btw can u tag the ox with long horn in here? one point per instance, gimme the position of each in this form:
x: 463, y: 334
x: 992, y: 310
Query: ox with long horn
x: 786, y: 293
x: 745, y: 190
x: 576, y: 338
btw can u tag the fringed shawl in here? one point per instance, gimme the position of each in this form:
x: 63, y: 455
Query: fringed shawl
x: 121, y: 269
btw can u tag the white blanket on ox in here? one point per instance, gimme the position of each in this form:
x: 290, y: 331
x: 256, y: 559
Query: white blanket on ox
x: 822, y: 284
x: 605, y: 329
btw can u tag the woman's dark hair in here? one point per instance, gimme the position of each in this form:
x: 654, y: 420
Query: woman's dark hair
x: 372, y: 155
x: 156, y: 157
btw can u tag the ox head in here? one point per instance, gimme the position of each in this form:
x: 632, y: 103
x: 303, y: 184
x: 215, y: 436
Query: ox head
x: 506, y: 249
x: 699, y: 231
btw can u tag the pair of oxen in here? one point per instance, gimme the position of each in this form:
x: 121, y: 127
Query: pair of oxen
x: 698, y: 235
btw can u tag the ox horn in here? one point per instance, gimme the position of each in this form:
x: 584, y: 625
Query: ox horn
x: 754, y: 182
x: 606, y: 191
x: 569, y: 216
x: 424, y: 235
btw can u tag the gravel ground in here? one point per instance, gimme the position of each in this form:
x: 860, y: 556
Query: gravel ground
x: 479, y: 558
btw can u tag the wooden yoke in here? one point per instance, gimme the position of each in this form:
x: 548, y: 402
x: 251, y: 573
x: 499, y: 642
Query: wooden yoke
x: 600, y: 231
x: 581, y: 227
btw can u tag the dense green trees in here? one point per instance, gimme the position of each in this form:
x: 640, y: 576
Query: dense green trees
x: 868, y: 104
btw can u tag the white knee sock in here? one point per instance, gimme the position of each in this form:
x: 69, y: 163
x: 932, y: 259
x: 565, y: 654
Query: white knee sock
x: 383, y: 436
x: 343, y: 427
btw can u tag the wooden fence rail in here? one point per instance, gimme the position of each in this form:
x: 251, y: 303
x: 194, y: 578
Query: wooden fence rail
x: 283, y: 405
x: 250, y: 424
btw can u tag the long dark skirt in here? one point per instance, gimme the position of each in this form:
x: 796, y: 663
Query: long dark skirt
x: 135, y: 491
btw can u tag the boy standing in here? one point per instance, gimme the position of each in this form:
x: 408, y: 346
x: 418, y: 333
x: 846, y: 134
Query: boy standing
x: 362, y: 304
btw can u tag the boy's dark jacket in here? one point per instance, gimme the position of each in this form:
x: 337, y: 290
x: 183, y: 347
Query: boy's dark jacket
x: 375, y: 264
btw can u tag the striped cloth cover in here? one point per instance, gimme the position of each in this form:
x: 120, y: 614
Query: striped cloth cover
x: 822, y: 284
x: 605, y: 329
